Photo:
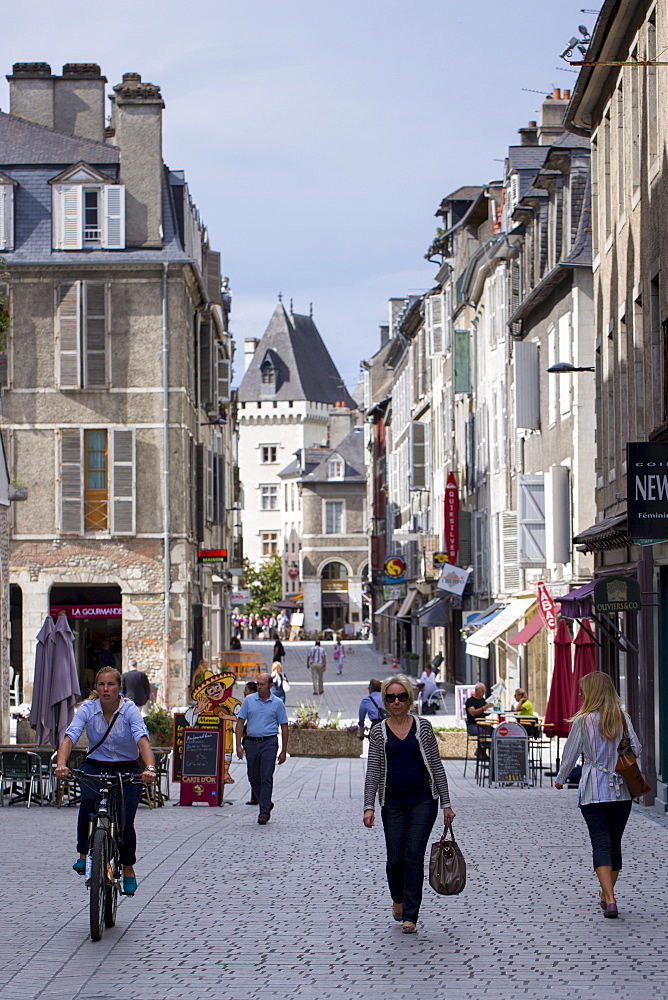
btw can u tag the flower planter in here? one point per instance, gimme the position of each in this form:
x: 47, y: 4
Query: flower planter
x: 324, y: 743
x: 452, y: 746
x: 25, y: 735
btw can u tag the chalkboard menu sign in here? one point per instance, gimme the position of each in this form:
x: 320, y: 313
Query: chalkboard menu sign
x: 510, y: 753
x: 200, y: 753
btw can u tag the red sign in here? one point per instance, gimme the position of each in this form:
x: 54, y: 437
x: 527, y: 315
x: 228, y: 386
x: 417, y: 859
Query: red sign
x: 211, y: 555
x: 395, y: 567
x: 293, y: 572
x: 87, y: 610
x: 451, y: 504
x: 546, y: 606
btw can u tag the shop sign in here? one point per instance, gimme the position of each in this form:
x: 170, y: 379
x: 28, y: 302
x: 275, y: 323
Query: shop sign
x: 647, y: 488
x: 546, y: 606
x: 453, y: 579
x: 439, y: 559
x: 617, y: 593
x: 240, y: 596
x: 451, y: 504
x: 211, y: 555
x: 395, y: 570
x: 293, y: 572
x: 87, y: 610
x: 394, y: 592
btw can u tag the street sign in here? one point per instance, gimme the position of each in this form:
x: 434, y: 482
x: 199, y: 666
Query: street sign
x: 546, y: 607
x: 394, y: 592
x: 453, y: 579
x: 510, y: 754
x: 395, y: 569
x: 440, y: 559
x: 211, y: 555
x: 617, y: 593
x: 647, y: 489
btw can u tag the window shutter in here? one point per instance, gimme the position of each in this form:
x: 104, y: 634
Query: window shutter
x: 113, y: 231
x: 531, y: 505
x: 435, y: 324
x: 95, y: 335
x: 209, y: 485
x: 6, y: 216
x: 527, y: 397
x: 223, y: 376
x: 213, y: 280
x: 510, y: 571
x: 465, y: 554
x: 123, y: 484
x: 219, y: 472
x: 418, y: 456
x: 70, y: 215
x: 481, y: 552
x: 71, y: 482
x: 462, y: 361
x: 200, y: 493
x: 205, y: 362
x: 68, y: 310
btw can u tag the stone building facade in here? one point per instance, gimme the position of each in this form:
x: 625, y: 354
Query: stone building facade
x: 117, y: 381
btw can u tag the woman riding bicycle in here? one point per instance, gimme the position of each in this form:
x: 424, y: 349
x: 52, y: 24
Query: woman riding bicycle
x: 119, y: 744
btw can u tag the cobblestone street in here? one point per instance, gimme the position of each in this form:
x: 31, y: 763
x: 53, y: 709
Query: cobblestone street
x: 229, y: 910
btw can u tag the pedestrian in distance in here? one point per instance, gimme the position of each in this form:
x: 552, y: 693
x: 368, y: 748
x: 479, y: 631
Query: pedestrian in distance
x: 405, y: 771
x: 136, y: 685
x: 339, y: 655
x: 263, y: 714
x: 280, y: 683
x: 371, y: 706
x: 118, y: 738
x: 279, y: 649
x: 249, y: 688
x: 603, y: 798
x: 316, y: 662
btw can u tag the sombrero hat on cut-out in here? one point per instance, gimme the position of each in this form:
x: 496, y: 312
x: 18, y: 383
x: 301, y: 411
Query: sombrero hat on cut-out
x: 226, y: 681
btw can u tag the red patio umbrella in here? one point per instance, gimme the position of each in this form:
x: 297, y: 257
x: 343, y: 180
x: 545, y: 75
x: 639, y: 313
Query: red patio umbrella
x: 584, y: 661
x: 560, y: 698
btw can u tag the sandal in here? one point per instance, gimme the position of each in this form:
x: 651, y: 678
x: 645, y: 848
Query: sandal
x: 408, y: 927
x: 398, y: 911
x: 79, y: 866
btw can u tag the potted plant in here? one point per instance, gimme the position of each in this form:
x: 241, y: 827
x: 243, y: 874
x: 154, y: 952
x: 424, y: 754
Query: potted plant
x: 411, y: 661
x: 159, y: 722
x: 311, y: 736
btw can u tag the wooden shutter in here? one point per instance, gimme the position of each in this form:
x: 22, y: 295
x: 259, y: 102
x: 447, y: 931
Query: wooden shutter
x: 205, y: 363
x: 113, y: 225
x: 418, y: 456
x: 510, y: 572
x: 527, y: 385
x: 95, y: 335
x: 71, y: 216
x: 213, y: 280
x: 435, y: 320
x: 465, y: 553
x: 68, y: 322
x: 219, y: 487
x: 71, y: 482
x: 462, y: 361
x: 123, y: 486
x: 223, y: 376
x: 6, y: 216
x: 200, y: 493
x: 481, y: 552
x: 209, y: 485
x: 531, y: 509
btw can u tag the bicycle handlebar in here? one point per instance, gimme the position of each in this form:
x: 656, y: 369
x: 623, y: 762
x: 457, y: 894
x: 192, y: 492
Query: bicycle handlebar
x: 124, y: 779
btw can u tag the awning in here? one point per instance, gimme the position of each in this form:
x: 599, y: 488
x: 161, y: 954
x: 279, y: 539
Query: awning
x: 407, y: 603
x: 382, y: 610
x: 435, y: 614
x: 331, y: 599
x: 577, y: 603
x: 476, y: 617
x: 528, y: 632
x: 483, y: 621
x: 610, y: 533
x: 478, y: 644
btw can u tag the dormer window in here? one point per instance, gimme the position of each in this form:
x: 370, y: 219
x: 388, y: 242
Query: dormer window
x: 268, y: 374
x: 88, y: 210
x: 336, y: 468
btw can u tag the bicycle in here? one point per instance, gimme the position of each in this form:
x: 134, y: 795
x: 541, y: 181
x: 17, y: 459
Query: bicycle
x: 104, y: 871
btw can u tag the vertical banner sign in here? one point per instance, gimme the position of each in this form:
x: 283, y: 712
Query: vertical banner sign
x: 546, y: 607
x: 451, y: 503
x: 647, y: 489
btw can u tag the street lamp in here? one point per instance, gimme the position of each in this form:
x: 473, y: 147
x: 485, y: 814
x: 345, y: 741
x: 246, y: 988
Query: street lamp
x: 564, y: 368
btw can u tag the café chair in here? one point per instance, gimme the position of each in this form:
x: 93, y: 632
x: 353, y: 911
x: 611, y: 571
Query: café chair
x: 483, y: 754
x: 19, y: 769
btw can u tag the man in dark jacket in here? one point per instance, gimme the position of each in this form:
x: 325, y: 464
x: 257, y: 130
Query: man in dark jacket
x: 136, y: 685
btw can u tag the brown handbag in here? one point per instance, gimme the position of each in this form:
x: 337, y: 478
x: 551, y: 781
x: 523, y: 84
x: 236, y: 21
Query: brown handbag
x: 627, y: 766
x: 447, y: 868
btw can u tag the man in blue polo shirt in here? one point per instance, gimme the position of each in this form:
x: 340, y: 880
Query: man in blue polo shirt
x: 263, y: 713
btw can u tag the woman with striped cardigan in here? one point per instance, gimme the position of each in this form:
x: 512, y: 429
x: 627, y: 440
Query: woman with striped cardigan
x: 405, y: 771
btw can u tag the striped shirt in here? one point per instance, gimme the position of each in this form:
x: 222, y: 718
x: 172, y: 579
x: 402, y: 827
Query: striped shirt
x: 599, y: 781
x: 316, y: 655
x: 376, y: 772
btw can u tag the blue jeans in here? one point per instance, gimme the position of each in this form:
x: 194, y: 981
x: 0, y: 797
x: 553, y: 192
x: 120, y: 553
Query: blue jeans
x: 407, y: 830
x: 131, y: 797
x: 606, y: 822
x: 261, y: 764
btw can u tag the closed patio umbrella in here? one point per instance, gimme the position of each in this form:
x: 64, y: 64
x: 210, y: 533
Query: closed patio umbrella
x: 560, y: 698
x: 65, y: 689
x: 41, y: 714
x: 584, y: 661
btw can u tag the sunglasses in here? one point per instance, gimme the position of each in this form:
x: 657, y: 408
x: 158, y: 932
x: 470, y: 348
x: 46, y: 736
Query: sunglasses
x: 396, y: 697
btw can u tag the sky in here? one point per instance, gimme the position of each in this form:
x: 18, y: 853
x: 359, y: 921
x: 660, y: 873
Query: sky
x: 319, y: 138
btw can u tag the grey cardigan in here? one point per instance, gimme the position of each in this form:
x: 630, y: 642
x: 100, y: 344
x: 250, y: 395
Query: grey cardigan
x: 376, y: 772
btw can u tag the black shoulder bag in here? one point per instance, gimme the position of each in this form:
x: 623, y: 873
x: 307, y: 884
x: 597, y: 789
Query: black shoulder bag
x: 109, y: 728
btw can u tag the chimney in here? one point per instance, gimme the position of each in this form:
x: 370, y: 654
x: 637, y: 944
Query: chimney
x: 137, y: 127
x: 529, y: 135
x: 341, y: 422
x: 384, y: 333
x: 552, y: 118
x: 79, y: 101
x: 250, y: 347
x: 31, y: 92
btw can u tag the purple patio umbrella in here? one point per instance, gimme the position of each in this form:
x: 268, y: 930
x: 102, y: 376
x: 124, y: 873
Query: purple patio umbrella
x: 65, y: 689
x: 41, y: 713
x: 559, y: 701
x: 584, y: 661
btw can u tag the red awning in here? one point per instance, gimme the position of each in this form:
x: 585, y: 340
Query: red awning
x: 531, y: 629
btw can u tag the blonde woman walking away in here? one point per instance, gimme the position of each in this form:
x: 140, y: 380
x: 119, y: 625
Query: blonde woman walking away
x: 604, y: 799
x: 406, y: 772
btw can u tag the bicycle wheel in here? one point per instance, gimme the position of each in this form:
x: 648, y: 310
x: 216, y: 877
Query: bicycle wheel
x: 111, y: 895
x: 97, y: 884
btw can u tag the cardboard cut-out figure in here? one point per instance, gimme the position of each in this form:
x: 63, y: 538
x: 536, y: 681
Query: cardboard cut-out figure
x: 213, y: 694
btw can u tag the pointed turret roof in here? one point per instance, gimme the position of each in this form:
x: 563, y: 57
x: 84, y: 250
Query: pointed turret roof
x: 303, y: 366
